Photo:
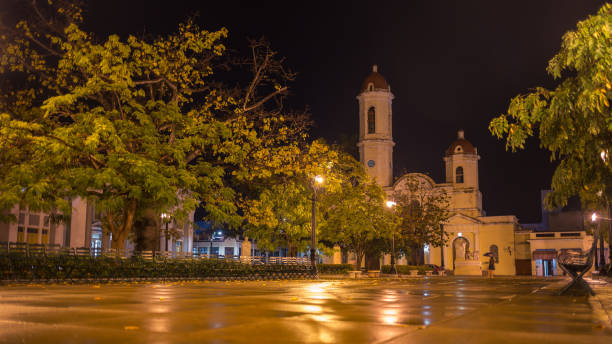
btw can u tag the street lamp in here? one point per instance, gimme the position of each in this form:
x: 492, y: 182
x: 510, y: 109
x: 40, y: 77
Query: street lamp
x: 165, y: 218
x: 390, y: 205
x: 318, y: 180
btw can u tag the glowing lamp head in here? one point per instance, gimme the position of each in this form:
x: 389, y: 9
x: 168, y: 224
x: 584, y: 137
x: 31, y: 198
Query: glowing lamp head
x: 319, y: 179
x: 594, y: 217
x: 164, y: 215
x: 391, y: 204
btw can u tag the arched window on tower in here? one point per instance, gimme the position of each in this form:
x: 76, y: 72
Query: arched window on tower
x: 371, y: 120
x: 459, y: 175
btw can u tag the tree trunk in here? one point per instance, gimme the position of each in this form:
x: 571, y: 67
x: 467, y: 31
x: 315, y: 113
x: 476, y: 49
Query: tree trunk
x: 120, y: 234
x: 610, y: 239
x: 291, y: 250
x: 118, y: 242
x: 147, y: 231
x: 358, y: 259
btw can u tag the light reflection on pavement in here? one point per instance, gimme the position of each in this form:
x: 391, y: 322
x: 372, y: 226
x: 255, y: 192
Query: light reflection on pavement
x: 424, y: 310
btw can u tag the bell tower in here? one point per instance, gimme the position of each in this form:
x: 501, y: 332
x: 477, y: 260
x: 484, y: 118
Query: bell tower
x: 461, y: 160
x: 375, y: 126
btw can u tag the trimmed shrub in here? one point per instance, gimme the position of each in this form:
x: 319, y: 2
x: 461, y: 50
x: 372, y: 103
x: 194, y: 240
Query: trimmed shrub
x: 64, y: 267
x: 335, y: 269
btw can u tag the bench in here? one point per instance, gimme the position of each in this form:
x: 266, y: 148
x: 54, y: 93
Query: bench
x: 576, y: 264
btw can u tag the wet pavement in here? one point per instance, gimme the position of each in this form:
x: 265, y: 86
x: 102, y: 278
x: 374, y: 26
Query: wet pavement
x: 423, y: 310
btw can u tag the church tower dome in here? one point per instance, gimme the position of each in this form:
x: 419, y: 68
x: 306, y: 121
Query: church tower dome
x: 375, y: 81
x: 375, y: 127
x: 461, y: 145
x: 462, y: 162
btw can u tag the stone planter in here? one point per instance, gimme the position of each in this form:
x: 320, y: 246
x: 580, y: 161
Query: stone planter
x: 354, y: 274
x: 373, y: 273
x: 441, y: 273
x: 414, y: 272
x: 428, y: 273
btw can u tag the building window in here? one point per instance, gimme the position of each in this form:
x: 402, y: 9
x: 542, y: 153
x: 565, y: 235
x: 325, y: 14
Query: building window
x: 45, y: 236
x: 20, y: 237
x: 459, y: 175
x: 34, y: 220
x: 229, y: 251
x: 495, y: 252
x: 32, y: 236
x: 371, y: 120
x: 371, y: 87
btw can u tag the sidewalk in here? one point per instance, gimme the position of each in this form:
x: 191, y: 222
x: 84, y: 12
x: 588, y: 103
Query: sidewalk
x: 603, y: 294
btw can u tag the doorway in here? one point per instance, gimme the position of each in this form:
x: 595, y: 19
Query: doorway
x: 461, y: 246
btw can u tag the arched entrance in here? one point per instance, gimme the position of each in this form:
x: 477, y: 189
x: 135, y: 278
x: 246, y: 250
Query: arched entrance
x: 461, y: 246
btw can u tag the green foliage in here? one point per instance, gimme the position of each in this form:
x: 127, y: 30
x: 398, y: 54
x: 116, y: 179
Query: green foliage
x: 354, y: 213
x: 335, y: 269
x: 136, y: 124
x: 421, y: 211
x: 64, y: 267
x: 280, y: 216
x: 573, y: 121
x: 405, y: 269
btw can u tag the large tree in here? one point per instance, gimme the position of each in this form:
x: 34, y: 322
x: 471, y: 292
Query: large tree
x: 354, y: 213
x: 134, y: 124
x: 573, y: 121
x: 280, y: 214
x: 422, y: 210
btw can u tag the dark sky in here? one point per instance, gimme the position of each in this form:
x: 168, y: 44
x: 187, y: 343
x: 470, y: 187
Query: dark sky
x: 450, y: 64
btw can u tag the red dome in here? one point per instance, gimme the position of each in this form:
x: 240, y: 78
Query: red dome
x: 466, y: 146
x: 376, y: 79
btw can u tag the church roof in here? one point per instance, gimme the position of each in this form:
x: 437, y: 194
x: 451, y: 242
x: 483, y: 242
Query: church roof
x: 376, y: 79
x: 466, y: 146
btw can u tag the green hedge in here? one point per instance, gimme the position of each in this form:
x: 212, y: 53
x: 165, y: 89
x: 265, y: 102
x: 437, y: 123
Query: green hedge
x: 405, y: 269
x: 335, y: 269
x: 63, y: 267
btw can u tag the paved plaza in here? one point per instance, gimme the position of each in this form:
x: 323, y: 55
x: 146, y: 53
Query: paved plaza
x: 423, y: 310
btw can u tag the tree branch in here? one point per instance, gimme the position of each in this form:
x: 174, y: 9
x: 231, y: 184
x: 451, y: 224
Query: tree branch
x: 265, y: 99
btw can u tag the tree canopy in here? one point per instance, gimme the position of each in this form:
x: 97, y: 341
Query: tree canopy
x: 354, y: 213
x: 136, y: 123
x: 421, y: 210
x: 573, y: 121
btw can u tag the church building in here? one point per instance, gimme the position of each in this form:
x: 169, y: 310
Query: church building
x: 470, y: 233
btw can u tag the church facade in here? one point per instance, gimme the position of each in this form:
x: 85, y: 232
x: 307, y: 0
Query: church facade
x: 470, y: 233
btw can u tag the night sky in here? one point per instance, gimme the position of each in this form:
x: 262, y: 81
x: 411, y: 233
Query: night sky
x: 450, y: 65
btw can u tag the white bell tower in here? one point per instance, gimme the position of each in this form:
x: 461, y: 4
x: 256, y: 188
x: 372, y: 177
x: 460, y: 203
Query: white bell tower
x: 375, y: 124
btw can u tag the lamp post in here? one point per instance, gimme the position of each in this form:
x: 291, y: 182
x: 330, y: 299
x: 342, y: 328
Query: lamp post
x: 165, y: 217
x: 318, y: 180
x: 390, y: 205
x: 442, y: 248
x: 602, y: 259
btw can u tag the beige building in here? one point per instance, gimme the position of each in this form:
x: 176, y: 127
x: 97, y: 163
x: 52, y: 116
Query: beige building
x: 35, y: 227
x: 471, y: 233
x: 83, y: 229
